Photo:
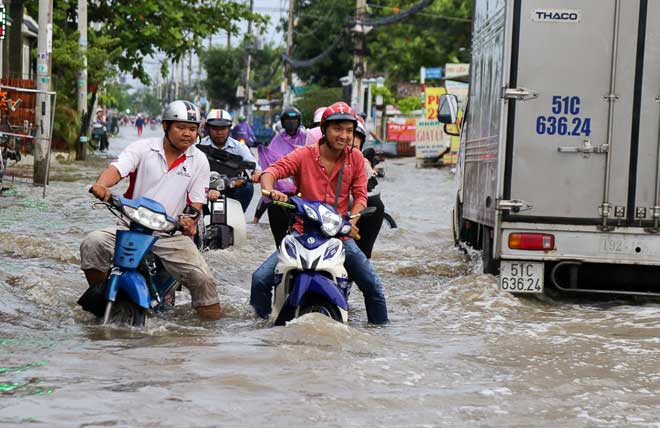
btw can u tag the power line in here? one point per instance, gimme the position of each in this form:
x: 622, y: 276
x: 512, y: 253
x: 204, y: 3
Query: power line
x: 373, y: 22
x: 431, y: 15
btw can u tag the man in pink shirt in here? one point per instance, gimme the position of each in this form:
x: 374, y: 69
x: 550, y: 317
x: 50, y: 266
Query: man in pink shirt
x: 315, y: 169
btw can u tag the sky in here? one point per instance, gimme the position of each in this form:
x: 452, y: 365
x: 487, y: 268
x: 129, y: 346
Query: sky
x: 275, y: 9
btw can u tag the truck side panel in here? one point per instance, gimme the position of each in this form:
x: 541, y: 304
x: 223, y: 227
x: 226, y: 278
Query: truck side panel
x: 481, y: 141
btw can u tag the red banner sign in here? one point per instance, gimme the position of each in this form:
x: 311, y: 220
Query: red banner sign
x: 401, y: 130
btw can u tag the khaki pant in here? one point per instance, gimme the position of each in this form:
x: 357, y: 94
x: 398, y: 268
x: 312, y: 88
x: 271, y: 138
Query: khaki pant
x: 178, y: 253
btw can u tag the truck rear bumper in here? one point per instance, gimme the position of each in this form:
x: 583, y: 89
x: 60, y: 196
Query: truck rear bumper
x: 625, y: 261
x: 629, y: 246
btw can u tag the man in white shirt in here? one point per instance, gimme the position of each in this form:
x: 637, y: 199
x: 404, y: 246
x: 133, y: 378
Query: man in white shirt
x: 175, y: 173
x: 218, y: 124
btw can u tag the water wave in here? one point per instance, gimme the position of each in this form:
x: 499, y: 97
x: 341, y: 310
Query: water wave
x: 27, y: 246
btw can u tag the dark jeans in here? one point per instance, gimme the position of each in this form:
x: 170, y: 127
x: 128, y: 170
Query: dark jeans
x: 359, y: 270
x: 242, y: 194
x: 370, y: 225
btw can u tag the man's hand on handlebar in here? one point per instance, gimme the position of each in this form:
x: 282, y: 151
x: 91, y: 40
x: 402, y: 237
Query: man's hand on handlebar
x: 101, y: 192
x: 355, y: 231
x: 256, y: 175
x: 214, y: 195
x: 275, y: 195
x: 188, y: 225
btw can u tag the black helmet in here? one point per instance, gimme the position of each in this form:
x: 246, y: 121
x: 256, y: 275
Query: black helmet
x: 291, y: 113
x: 291, y: 119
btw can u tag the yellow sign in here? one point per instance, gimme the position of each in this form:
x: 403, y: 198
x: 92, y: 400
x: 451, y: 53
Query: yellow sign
x: 431, y: 102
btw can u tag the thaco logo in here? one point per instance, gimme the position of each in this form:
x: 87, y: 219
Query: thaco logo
x: 557, y: 15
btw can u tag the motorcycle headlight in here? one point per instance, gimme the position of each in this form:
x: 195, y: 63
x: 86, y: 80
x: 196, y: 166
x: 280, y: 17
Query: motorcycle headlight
x: 330, y: 221
x: 149, y: 219
x: 311, y: 213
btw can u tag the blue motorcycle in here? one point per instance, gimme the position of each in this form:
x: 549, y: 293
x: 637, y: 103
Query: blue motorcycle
x: 138, y: 282
x: 310, y: 274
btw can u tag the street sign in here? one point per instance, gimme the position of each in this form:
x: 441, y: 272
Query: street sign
x: 434, y: 73
x: 3, y: 22
x: 457, y: 70
x: 432, y: 101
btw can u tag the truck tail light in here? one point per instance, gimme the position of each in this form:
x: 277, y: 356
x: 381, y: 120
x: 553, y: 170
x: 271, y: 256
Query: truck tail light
x: 532, y: 241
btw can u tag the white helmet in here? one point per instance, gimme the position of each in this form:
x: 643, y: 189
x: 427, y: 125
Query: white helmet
x: 181, y: 111
x: 318, y: 114
x: 218, y: 117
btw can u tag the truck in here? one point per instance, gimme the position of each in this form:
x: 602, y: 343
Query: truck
x: 559, y: 160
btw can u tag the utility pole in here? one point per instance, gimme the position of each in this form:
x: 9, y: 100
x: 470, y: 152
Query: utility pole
x: 288, y: 81
x: 44, y: 52
x: 248, y: 61
x: 359, y: 63
x: 190, y: 70
x: 81, y: 147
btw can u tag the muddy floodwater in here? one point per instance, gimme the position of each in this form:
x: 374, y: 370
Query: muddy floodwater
x: 458, y: 352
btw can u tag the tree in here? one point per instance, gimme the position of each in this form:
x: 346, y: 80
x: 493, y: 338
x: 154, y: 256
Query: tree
x: 314, y: 98
x: 123, y: 32
x: 437, y: 35
x: 225, y: 71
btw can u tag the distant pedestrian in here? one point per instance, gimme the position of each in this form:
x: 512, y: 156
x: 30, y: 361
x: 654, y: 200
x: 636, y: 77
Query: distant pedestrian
x: 139, y: 124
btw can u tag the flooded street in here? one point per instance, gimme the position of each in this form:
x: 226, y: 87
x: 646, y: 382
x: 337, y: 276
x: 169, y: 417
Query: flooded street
x: 458, y: 351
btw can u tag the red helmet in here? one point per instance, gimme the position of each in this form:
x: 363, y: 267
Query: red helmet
x: 339, y: 111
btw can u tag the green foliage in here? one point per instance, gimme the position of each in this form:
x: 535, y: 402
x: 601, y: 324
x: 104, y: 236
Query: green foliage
x: 429, y: 38
x: 409, y: 104
x: 170, y: 27
x: 115, y: 95
x: 314, y: 98
x: 145, y: 101
x: 121, y: 33
x: 438, y: 35
x: 66, y: 126
x: 383, y: 91
x: 318, y: 23
x: 225, y: 70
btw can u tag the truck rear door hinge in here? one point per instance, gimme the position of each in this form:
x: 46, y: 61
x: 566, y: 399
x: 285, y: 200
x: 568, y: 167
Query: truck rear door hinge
x: 513, y: 205
x: 585, y: 149
x: 519, y: 94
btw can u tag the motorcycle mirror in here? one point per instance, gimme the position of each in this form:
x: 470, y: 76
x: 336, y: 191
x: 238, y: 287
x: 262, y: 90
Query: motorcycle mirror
x: 214, y: 179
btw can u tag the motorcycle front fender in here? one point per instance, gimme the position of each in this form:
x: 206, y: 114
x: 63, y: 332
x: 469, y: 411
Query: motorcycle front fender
x: 316, y: 283
x: 236, y: 220
x: 133, y: 284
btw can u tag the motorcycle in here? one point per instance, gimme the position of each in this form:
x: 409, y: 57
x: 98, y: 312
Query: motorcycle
x: 224, y: 222
x: 375, y: 161
x: 310, y: 274
x: 138, y: 282
x: 99, y: 137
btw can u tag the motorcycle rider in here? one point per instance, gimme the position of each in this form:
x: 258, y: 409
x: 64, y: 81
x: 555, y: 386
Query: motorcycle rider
x: 218, y: 124
x: 242, y: 132
x: 291, y: 137
x: 171, y: 171
x: 99, y: 130
x: 369, y: 225
x: 317, y: 170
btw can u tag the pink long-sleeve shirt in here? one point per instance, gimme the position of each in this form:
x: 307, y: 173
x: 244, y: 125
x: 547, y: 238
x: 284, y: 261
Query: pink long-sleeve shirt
x: 315, y: 184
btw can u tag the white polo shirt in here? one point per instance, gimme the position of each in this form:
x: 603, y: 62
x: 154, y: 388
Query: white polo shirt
x: 186, y: 181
